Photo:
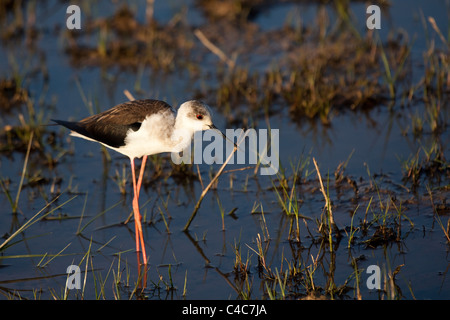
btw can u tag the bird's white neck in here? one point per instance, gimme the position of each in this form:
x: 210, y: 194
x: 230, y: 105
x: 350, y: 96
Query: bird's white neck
x: 181, y: 135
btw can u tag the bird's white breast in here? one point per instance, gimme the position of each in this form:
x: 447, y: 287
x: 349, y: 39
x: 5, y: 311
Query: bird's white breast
x: 154, y: 136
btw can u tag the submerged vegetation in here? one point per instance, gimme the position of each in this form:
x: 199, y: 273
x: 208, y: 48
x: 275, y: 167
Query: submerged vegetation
x: 309, y: 232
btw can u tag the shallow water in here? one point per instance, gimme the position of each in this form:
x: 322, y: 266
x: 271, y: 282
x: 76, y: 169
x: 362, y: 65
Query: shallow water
x: 204, y: 258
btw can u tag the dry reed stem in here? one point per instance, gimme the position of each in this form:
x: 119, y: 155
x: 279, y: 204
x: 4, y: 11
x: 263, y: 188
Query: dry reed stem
x: 149, y: 10
x: 24, y: 170
x: 438, y: 31
x: 128, y: 95
x: 205, y: 191
x: 327, y: 199
x: 214, y: 49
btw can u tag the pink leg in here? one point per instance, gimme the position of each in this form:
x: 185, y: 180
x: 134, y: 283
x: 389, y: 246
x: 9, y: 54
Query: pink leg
x: 137, y: 215
x: 138, y: 188
x: 141, y: 173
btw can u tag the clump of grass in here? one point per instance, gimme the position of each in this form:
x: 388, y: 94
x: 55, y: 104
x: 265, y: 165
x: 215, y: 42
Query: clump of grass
x: 394, y: 59
x: 11, y: 95
x: 298, y: 277
x: 327, y: 72
x: 14, y: 204
x: 241, y: 267
x: 241, y: 270
x: 121, y: 179
x: 328, y: 208
x: 427, y: 164
x: 236, y: 12
x: 126, y: 42
x: 437, y: 62
x: 287, y: 196
x: 261, y: 252
x: 437, y: 217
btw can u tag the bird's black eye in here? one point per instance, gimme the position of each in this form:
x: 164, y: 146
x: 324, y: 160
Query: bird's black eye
x: 199, y: 116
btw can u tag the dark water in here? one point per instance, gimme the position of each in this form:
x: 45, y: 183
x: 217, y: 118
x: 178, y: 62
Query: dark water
x: 205, y: 255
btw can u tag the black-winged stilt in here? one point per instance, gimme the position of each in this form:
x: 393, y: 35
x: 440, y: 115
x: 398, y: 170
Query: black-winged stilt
x: 141, y: 128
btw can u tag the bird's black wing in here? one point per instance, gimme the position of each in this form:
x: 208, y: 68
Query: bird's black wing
x: 111, y: 126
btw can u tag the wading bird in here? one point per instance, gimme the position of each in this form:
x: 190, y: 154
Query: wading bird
x: 141, y: 128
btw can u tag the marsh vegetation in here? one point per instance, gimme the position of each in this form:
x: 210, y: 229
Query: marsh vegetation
x: 364, y: 145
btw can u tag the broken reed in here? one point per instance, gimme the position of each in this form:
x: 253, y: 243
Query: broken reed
x: 205, y: 191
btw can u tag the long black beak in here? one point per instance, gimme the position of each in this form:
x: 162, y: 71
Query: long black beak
x: 213, y: 127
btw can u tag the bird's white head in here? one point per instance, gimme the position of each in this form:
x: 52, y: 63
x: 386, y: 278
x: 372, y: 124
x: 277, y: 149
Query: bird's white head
x: 194, y: 116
